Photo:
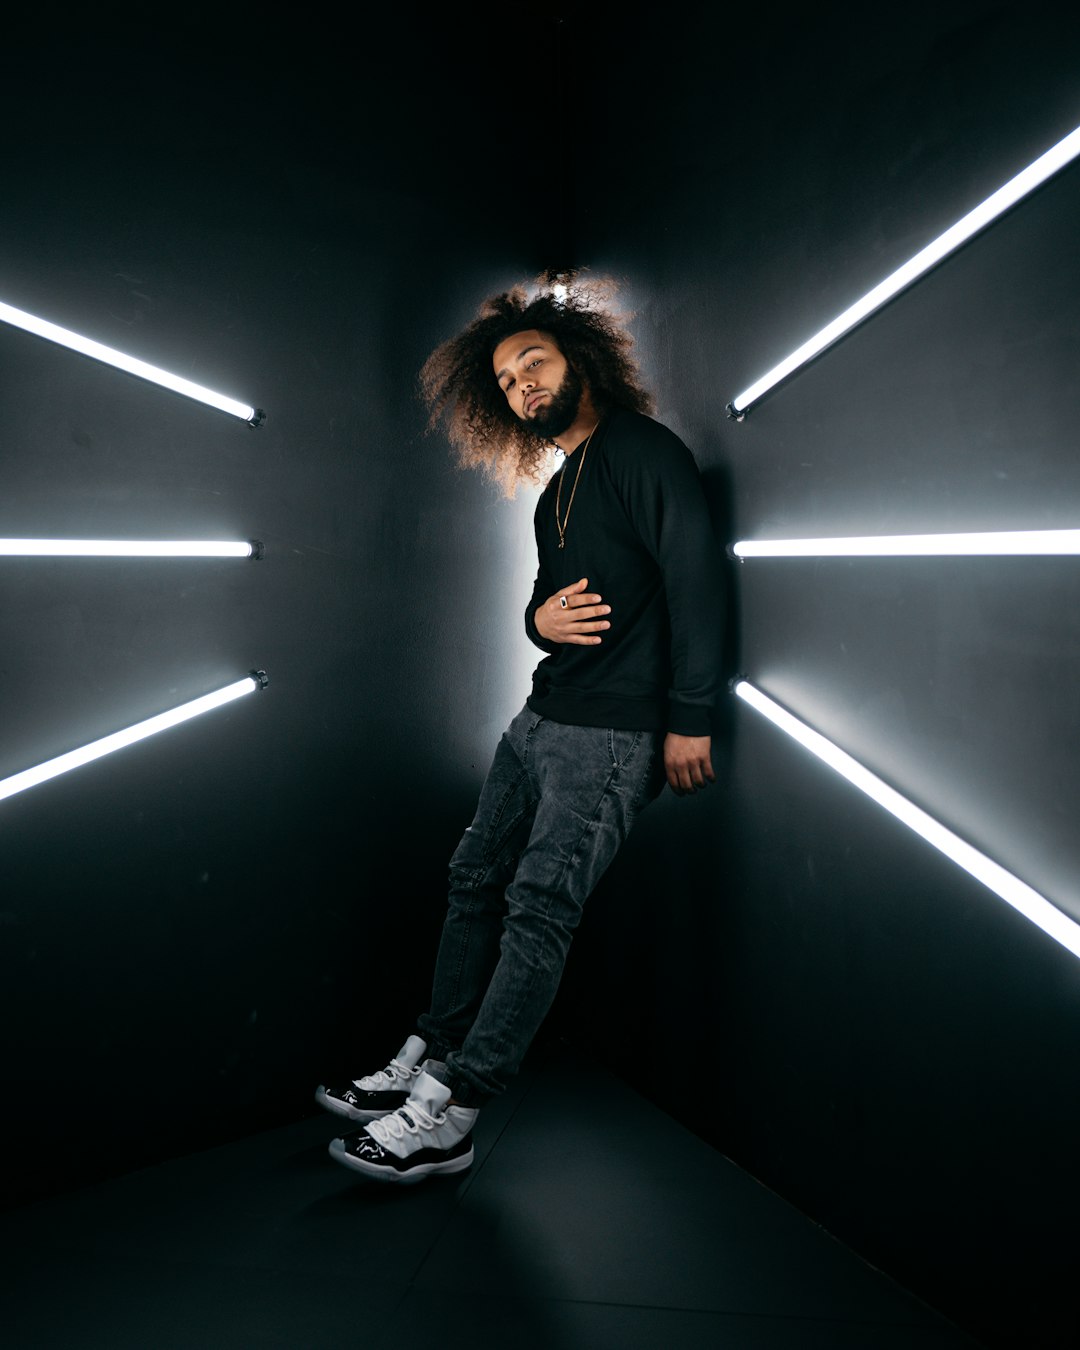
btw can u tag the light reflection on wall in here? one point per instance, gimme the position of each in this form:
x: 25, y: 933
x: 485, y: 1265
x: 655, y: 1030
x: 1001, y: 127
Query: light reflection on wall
x: 517, y: 658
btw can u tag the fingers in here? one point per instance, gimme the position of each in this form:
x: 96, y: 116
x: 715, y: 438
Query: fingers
x: 584, y: 613
x: 683, y: 784
x: 579, y: 628
x: 573, y: 596
x: 575, y: 615
x: 564, y: 597
x: 688, y: 763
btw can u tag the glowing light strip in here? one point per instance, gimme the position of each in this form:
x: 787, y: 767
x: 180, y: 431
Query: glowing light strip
x: 30, y: 323
x: 129, y: 548
x: 1011, y: 889
x: 998, y: 543
x: 52, y: 768
x: 1016, y: 188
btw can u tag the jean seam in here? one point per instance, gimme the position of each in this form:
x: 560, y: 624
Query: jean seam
x: 527, y: 741
x: 489, y: 856
x: 550, y: 892
x: 488, y: 853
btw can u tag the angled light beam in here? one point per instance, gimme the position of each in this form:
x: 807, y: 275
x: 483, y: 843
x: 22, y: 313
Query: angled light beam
x: 997, y: 543
x: 995, y: 205
x: 30, y: 323
x: 52, y: 768
x: 1011, y: 889
x: 130, y: 548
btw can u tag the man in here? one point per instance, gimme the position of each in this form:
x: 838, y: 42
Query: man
x: 626, y: 606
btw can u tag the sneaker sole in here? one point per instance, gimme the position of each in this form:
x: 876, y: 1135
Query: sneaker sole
x: 339, y: 1154
x: 347, y: 1112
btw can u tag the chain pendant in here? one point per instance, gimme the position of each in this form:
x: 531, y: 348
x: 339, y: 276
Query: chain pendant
x: 561, y: 522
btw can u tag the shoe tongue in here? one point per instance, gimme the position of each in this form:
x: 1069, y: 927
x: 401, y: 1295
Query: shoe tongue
x: 429, y: 1092
x: 412, y: 1051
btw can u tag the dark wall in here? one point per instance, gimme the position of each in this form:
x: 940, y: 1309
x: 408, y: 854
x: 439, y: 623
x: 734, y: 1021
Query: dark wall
x: 881, y: 1039
x: 197, y: 929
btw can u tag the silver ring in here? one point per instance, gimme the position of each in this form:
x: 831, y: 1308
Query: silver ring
x: 562, y: 601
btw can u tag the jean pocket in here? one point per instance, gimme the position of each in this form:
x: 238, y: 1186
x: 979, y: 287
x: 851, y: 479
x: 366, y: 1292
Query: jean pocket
x: 622, y: 746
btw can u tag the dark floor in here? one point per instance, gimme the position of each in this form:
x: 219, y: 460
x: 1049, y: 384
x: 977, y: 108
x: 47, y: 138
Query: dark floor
x: 589, y: 1219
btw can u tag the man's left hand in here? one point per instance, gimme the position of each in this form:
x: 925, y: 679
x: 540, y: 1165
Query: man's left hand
x: 688, y: 763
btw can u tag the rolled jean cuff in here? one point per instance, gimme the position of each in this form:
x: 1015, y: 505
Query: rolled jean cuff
x: 437, y: 1051
x: 464, y: 1094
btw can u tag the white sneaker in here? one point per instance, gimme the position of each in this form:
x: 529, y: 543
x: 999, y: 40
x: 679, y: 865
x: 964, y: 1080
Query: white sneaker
x: 425, y: 1136
x: 377, y: 1094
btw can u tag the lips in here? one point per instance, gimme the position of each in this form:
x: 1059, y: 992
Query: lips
x: 533, y: 400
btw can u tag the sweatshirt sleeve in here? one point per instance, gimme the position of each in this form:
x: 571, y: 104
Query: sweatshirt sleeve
x: 666, y: 501
x: 542, y: 588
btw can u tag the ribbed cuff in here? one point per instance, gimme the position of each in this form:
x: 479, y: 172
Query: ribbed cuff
x: 689, y: 719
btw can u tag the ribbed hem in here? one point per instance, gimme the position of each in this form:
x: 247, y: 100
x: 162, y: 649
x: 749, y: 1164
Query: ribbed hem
x: 621, y: 714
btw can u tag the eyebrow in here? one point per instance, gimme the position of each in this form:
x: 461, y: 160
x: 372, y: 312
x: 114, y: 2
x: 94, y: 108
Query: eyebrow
x: 524, y: 352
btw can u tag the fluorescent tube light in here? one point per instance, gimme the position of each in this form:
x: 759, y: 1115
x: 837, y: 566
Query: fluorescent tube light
x: 1011, y: 889
x: 66, y: 338
x: 1013, y: 191
x: 999, y: 543
x: 52, y: 768
x: 130, y: 548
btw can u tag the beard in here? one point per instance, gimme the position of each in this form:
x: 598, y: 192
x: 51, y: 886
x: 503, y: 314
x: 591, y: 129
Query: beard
x: 552, y: 418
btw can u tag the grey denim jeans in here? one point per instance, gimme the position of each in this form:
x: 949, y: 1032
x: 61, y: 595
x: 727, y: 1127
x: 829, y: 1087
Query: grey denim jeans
x: 556, y: 806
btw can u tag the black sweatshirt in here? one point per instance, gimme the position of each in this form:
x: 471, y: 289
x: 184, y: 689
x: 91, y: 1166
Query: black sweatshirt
x: 639, y: 530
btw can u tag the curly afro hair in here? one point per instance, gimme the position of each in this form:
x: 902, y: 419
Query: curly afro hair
x: 458, y: 384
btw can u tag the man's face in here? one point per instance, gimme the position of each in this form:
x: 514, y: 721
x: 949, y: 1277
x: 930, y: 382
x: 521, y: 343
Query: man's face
x: 539, y: 383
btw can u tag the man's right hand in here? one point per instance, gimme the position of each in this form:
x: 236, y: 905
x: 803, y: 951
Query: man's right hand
x: 576, y: 620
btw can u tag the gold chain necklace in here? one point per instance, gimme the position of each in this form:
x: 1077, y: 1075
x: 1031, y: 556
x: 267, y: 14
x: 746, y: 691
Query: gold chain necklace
x: 561, y: 527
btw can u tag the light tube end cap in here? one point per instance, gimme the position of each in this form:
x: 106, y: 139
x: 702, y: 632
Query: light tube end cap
x: 257, y: 418
x: 260, y: 677
x: 734, y: 413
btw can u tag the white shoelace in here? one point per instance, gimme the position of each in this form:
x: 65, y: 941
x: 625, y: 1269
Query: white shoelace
x: 397, y: 1124
x: 393, y: 1072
